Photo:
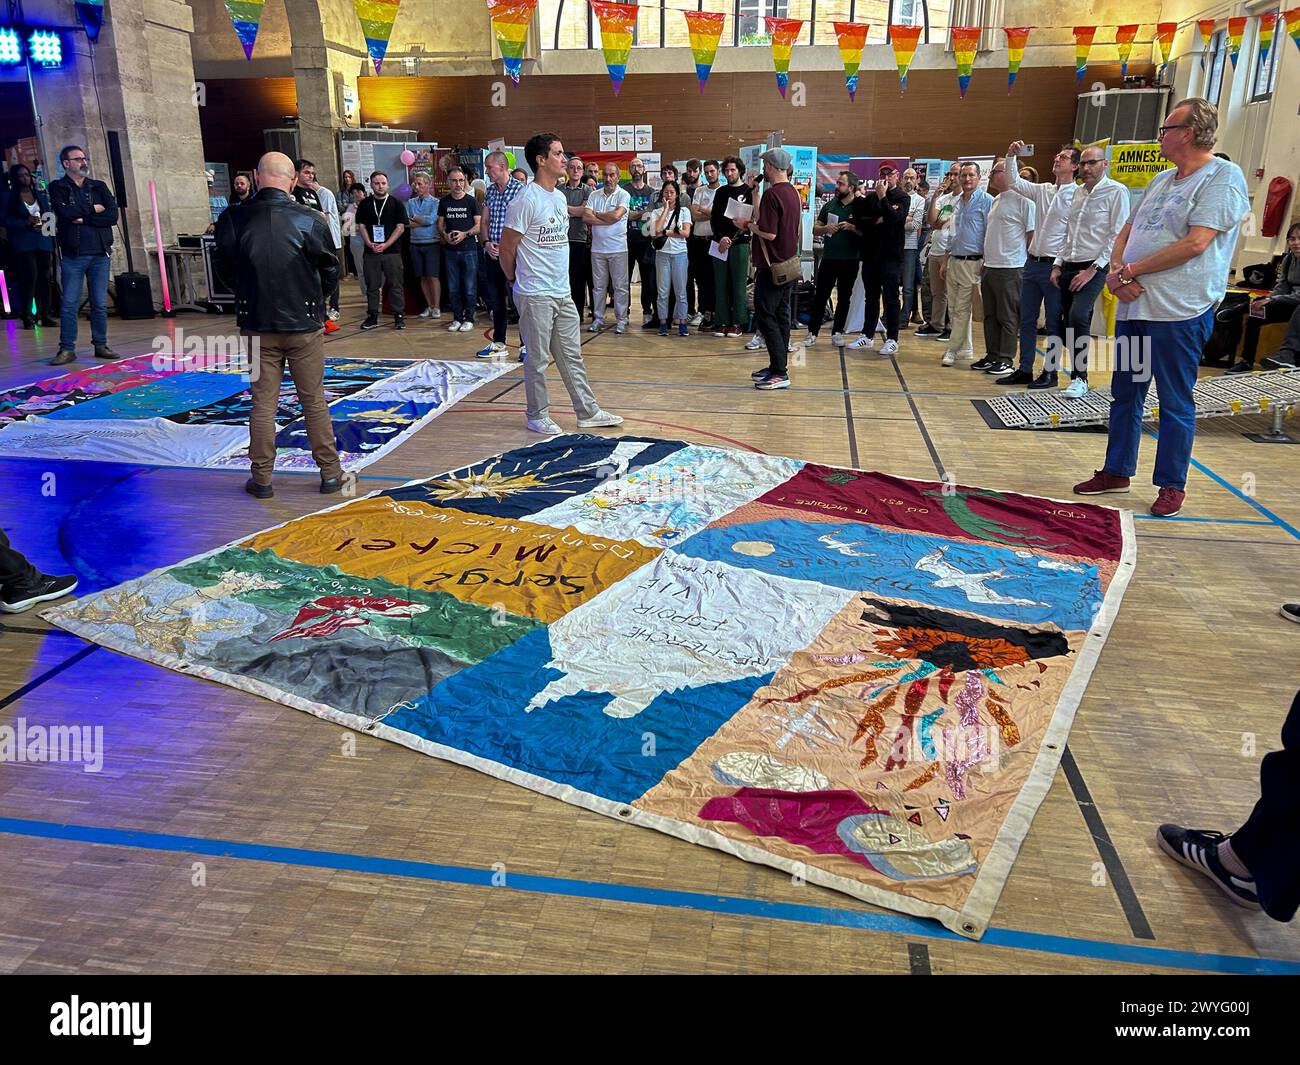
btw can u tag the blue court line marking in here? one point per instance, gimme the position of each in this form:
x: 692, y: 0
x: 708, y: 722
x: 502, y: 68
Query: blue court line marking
x: 897, y: 924
x: 1212, y: 521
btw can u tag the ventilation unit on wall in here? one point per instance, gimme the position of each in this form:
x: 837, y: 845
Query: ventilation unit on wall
x: 282, y: 140
x: 1120, y: 115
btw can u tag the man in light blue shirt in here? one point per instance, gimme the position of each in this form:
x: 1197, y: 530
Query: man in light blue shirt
x: 426, y: 251
x: 965, y: 260
x: 1169, y: 270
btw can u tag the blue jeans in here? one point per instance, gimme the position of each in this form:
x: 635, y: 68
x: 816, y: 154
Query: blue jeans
x: 1170, y: 352
x: 460, y: 270
x: 1036, y: 291
x: 911, y: 281
x: 670, y: 271
x: 73, y: 274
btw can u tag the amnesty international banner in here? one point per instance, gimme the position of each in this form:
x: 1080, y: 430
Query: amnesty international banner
x: 1134, y: 165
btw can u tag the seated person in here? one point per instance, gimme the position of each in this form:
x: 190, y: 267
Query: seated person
x: 1278, y: 306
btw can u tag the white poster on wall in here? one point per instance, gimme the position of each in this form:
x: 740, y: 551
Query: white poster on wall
x: 609, y: 138
x: 626, y: 139
x: 644, y: 138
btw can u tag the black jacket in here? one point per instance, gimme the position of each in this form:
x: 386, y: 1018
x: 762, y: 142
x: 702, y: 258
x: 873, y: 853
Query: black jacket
x: 881, y: 223
x: 81, y: 229
x: 280, y: 257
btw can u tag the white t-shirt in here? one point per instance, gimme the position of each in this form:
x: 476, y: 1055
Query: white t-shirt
x: 611, y: 239
x: 704, y: 198
x: 1011, y: 220
x: 542, y: 261
x: 941, y: 240
x: 673, y: 245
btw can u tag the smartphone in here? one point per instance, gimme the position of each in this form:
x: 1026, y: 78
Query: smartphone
x: 1028, y: 149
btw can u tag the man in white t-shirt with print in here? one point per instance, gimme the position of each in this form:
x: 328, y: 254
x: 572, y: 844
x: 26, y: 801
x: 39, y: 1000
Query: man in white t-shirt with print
x: 535, y: 261
x: 606, y: 216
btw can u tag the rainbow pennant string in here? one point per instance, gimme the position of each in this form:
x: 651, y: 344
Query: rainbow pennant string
x: 1017, y: 36
x: 965, y: 42
x: 510, y: 20
x: 1083, y: 36
x: 783, y: 32
x: 904, y: 39
x: 91, y: 15
x: 245, y: 16
x: 705, y: 28
x: 1124, y: 43
x: 1165, y: 35
x: 377, y: 18
x: 1206, y: 26
x: 617, y: 21
x: 1292, y: 18
x: 1236, y: 28
x: 1267, y: 27
x: 852, y: 40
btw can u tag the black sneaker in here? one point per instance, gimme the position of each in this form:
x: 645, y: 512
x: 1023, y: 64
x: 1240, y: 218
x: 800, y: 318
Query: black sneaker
x: 758, y: 375
x: 926, y: 330
x: 652, y: 324
x: 945, y: 335
x: 983, y: 364
x: 1283, y: 360
x: 63, y: 357
x: 773, y: 381
x: 44, y: 589
x: 1019, y: 377
x: 1000, y: 368
x: 399, y: 322
x: 258, y: 491
x: 1291, y: 611
x: 1199, y: 850
x: 1240, y: 367
x: 1044, y: 380
x: 371, y: 322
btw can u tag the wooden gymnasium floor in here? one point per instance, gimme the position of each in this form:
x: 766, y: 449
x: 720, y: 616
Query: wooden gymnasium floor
x: 1198, y: 658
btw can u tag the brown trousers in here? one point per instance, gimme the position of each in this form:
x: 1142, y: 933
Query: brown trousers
x: 305, y: 355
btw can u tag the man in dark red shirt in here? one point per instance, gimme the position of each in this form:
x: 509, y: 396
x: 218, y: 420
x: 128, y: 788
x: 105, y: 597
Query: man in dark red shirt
x: 776, y: 238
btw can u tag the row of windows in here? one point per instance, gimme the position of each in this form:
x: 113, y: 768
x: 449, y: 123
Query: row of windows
x: 1263, y: 76
x: 573, y: 24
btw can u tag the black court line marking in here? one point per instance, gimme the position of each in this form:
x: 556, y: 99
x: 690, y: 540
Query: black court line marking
x: 848, y: 413
x: 37, y: 632
x: 918, y: 959
x: 920, y: 422
x: 49, y: 674
x: 1128, y: 900
x: 511, y: 388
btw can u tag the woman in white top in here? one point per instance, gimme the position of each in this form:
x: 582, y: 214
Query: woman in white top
x: 670, y: 225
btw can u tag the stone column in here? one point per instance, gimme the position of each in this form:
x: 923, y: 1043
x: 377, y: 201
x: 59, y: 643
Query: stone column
x: 323, y: 68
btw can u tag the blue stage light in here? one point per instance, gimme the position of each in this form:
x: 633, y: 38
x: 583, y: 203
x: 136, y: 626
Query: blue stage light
x: 11, y: 51
x: 46, y: 48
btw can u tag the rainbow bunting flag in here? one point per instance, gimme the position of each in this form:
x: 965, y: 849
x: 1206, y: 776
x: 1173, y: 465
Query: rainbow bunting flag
x: 783, y: 32
x: 1083, y: 36
x: 1017, y: 36
x: 1292, y: 18
x: 904, y: 39
x: 1206, y: 26
x: 852, y: 40
x: 1267, y: 27
x: 377, y: 18
x: 1236, y: 27
x: 1124, y: 43
x: 246, y: 16
x: 705, y: 28
x: 617, y: 21
x: 1165, y: 35
x: 510, y: 19
x: 965, y: 41
x: 91, y: 15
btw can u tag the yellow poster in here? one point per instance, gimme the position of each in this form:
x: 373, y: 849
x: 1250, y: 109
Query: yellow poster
x: 1134, y: 165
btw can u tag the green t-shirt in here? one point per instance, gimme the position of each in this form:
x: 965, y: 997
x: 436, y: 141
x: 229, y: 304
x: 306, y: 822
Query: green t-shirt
x: 840, y: 245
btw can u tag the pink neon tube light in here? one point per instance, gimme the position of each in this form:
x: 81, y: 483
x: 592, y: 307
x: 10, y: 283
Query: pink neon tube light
x: 157, y: 233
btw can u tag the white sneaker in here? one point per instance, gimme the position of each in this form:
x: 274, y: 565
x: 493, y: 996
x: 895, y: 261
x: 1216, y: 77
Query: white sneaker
x: 491, y: 351
x: 1076, y: 389
x: 646, y: 319
x: 436, y: 312
x: 694, y: 320
x: 600, y: 420
x: 810, y: 340
x: 597, y: 324
x: 949, y: 359
x: 426, y: 313
x: 755, y: 342
x: 453, y: 328
x: 621, y: 328
x: 890, y: 348
x: 837, y: 339
x: 544, y: 426
x: 333, y: 315
x: 867, y: 340
x: 968, y: 356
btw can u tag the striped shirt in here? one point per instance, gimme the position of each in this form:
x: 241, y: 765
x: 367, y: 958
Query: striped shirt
x: 498, y: 201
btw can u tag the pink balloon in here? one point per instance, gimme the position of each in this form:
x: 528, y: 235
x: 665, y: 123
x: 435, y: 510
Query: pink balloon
x: 407, y: 157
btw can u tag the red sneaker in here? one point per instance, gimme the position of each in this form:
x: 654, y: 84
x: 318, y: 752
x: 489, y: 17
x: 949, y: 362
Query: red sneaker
x: 330, y: 327
x: 1168, y: 502
x: 1100, y: 483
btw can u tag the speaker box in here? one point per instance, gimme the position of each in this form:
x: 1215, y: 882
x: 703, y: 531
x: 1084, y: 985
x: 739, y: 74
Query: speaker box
x: 134, y: 296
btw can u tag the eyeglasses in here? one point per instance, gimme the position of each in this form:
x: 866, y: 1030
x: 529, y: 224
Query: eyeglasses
x: 1165, y: 129
x: 1091, y: 162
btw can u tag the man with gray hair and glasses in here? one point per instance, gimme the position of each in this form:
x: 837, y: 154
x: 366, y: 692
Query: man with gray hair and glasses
x: 1169, y: 270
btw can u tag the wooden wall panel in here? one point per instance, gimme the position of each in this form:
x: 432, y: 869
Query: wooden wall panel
x: 236, y: 111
